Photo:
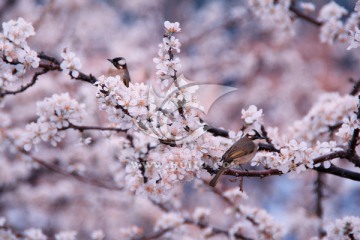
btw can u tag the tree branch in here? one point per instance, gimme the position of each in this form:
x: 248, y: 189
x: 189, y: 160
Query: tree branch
x: 55, y: 65
x: 216, y: 132
x: 319, y: 185
x: 274, y: 172
x: 303, y: 16
x: 356, y: 87
x: 340, y: 172
x: 351, y: 153
x: 83, y: 128
x: 23, y: 88
x: 84, y: 179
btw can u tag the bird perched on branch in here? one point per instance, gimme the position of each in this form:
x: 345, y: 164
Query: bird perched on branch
x: 120, y: 64
x: 241, y: 152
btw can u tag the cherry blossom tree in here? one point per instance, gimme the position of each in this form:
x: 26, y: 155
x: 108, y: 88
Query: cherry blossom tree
x: 84, y: 156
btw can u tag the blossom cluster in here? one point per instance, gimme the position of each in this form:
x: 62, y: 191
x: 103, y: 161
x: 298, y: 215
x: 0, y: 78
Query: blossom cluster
x: 170, y: 116
x: 353, y: 28
x: 124, y: 106
x: 308, y: 7
x: 349, y: 124
x: 346, y: 228
x: 17, y: 56
x: 70, y: 64
x: 167, y: 66
x: 37, y: 234
x: 138, y: 107
x: 274, y: 15
x: 54, y: 114
x: 160, y: 168
x: 168, y: 220
x: 334, y: 29
x: 264, y: 225
x: 152, y: 168
x: 296, y: 156
x: 252, y: 116
x: 165, y: 143
x: 163, y: 166
x: 330, y: 110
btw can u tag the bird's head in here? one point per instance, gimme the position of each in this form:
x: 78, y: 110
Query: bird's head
x: 255, y: 136
x: 118, y: 62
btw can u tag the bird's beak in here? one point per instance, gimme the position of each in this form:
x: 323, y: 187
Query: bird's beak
x: 110, y: 60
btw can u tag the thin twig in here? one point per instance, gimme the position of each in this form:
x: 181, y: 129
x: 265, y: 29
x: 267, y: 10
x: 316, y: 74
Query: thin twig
x: 356, y: 87
x: 83, y: 128
x: 319, y: 193
x: 351, y: 153
x: 23, y: 88
x: 303, y: 16
x: 274, y: 172
x: 81, y: 178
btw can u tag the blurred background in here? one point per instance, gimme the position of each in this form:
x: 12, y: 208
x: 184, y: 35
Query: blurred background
x: 222, y: 43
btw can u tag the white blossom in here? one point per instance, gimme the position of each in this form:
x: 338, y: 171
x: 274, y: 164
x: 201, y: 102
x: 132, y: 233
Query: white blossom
x: 331, y: 11
x: 235, y: 194
x: 252, y: 115
x: 331, y: 30
x: 347, y: 128
x: 70, y: 64
x: 357, y: 6
x: 7, y: 234
x: 201, y: 215
x: 307, y: 6
x: 18, y: 31
x: 66, y: 235
x: 34, y: 234
x: 172, y: 27
x: 172, y: 43
x: 343, y: 228
x: 274, y: 15
x: 354, y: 39
x: 236, y: 229
x: 2, y: 221
x: 266, y: 227
x: 131, y: 232
x: 18, y: 56
x: 97, y: 235
x: 168, y: 220
x: 54, y: 114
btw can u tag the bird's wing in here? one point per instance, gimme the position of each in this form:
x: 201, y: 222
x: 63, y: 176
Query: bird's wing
x: 239, y: 149
x: 127, y: 74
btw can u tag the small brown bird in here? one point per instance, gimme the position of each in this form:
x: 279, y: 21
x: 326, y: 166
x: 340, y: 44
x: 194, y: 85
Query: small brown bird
x: 241, y: 152
x: 120, y: 64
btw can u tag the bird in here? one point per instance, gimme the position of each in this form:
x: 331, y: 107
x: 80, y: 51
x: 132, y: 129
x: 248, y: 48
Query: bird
x: 120, y: 64
x: 241, y: 152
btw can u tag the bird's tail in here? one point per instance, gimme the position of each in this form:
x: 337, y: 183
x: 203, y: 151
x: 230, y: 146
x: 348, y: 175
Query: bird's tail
x: 214, y: 181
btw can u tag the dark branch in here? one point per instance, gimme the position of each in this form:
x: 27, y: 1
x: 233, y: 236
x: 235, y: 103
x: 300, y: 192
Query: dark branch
x: 265, y: 135
x: 274, y: 172
x: 303, y: 16
x: 351, y: 153
x: 83, y: 128
x: 217, y: 132
x: 23, y: 88
x: 268, y: 147
x: 319, y: 193
x: 340, y: 172
x: 55, y: 66
x: 356, y: 87
x: 81, y: 178
x: 45, y: 57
